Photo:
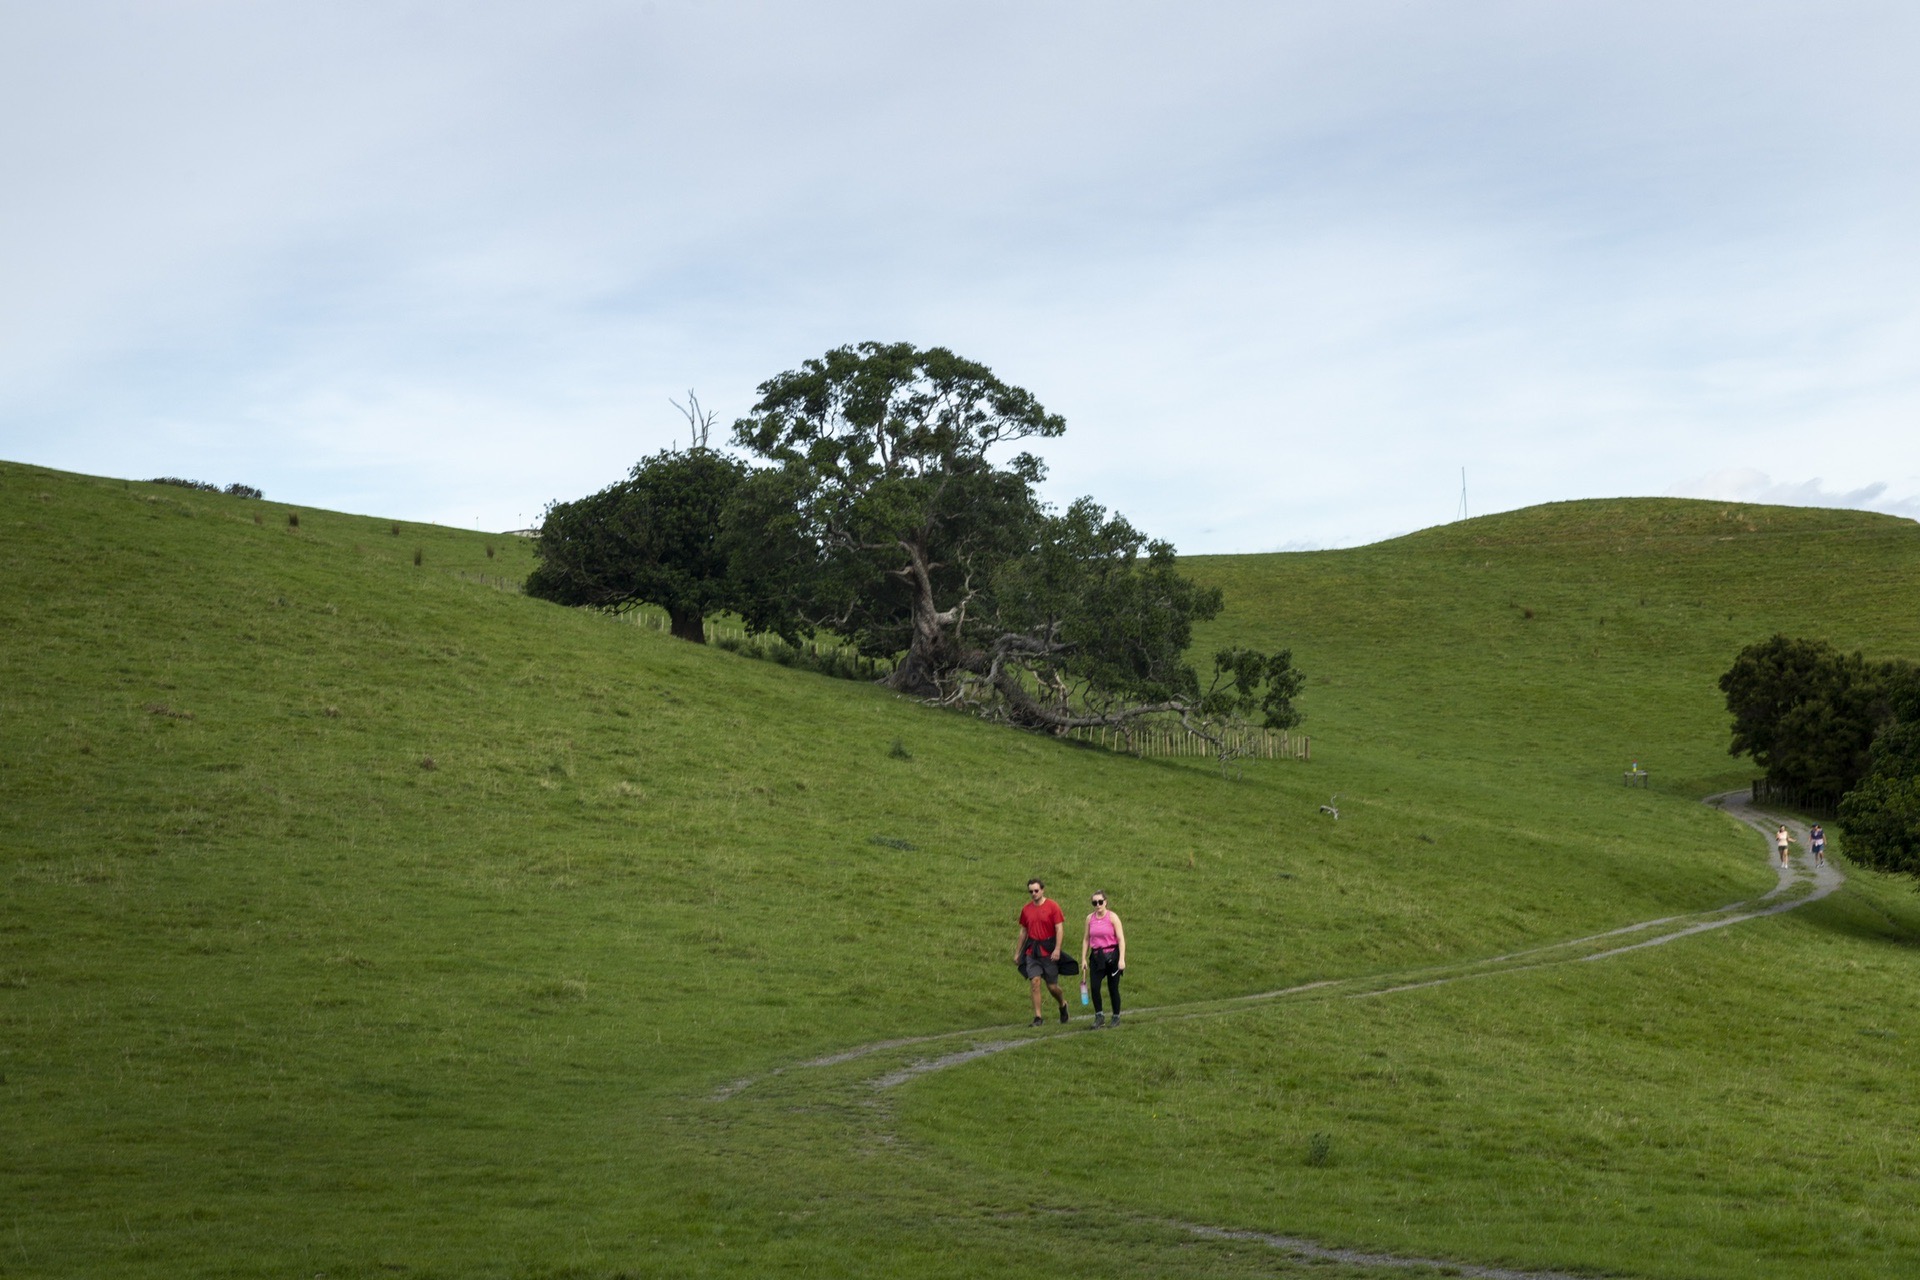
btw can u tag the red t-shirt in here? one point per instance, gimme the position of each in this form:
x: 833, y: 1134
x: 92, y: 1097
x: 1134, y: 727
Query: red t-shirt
x: 1042, y: 919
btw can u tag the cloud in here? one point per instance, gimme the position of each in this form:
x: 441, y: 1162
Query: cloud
x: 1748, y: 484
x: 1284, y: 267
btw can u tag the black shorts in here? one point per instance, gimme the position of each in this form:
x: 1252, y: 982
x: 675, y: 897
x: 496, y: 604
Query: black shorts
x: 1036, y: 961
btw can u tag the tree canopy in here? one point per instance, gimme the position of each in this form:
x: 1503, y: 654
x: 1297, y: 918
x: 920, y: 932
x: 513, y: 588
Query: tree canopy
x: 1091, y: 625
x: 889, y: 514
x: 1807, y: 713
x: 884, y: 512
x: 893, y: 508
x: 653, y: 538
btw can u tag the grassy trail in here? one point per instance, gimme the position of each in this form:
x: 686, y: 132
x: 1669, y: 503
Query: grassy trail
x: 890, y: 1063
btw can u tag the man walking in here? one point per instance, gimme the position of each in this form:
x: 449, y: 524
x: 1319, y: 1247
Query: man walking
x: 1036, y: 948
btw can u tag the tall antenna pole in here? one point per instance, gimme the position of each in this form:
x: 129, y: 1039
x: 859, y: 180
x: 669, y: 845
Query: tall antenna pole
x: 1463, y: 493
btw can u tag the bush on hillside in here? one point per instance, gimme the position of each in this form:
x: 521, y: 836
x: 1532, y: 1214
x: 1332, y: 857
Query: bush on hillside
x: 1881, y: 816
x: 201, y: 486
x: 1881, y: 821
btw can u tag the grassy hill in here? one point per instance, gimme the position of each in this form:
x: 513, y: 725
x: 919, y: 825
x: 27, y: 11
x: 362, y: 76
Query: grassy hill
x: 363, y: 916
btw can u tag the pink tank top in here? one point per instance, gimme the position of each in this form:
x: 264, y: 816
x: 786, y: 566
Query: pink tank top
x: 1100, y: 932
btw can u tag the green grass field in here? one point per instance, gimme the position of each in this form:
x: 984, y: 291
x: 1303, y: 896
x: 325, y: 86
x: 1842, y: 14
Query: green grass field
x: 363, y: 917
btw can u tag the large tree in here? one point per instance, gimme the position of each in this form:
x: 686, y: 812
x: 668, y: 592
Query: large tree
x: 885, y: 515
x: 1807, y: 713
x: 653, y: 538
x: 887, y: 505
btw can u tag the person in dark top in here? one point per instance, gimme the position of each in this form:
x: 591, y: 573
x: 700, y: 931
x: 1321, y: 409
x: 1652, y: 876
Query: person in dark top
x: 1817, y: 839
x: 1036, y: 947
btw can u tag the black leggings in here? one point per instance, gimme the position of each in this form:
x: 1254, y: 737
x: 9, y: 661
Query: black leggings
x: 1104, y: 963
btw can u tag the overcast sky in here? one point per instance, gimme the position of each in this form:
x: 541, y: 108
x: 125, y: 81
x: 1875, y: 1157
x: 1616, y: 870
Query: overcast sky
x: 1284, y: 268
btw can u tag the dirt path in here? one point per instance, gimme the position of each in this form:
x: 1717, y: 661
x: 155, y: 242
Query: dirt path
x: 896, y: 1062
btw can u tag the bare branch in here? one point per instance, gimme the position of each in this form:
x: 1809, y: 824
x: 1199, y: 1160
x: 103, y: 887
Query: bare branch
x: 699, y: 421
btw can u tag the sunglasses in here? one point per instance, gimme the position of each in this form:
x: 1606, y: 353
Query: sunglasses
x: 1099, y: 902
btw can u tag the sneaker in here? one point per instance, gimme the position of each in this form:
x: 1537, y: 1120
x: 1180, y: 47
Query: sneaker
x: 1116, y: 1020
x: 1037, y: 1020
x: 1099, y: 1019
x: 1064, y: 1015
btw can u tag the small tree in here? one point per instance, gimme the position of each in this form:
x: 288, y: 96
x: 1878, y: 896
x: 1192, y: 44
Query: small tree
x: 653, y: 538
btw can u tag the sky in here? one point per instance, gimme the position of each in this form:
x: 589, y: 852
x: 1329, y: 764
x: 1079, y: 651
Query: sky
x: 1286, y: 269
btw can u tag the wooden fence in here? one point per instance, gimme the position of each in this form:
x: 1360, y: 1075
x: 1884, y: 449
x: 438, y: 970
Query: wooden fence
x: 1157, y: 740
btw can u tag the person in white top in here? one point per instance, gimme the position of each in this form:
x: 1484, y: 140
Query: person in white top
x: 1781, y: 839
x: 1103, y: 954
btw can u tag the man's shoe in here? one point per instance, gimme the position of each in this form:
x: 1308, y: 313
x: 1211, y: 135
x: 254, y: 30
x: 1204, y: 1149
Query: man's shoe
x: 1037, y: 1019
x: 1064, y: 1015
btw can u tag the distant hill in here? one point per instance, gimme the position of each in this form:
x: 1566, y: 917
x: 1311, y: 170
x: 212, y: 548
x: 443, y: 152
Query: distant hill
x: 1598, y: 627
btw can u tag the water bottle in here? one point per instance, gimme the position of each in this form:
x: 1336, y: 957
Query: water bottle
x: 1083, y: 991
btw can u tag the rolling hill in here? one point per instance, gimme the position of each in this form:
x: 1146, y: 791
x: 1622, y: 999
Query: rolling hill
x: 366, y: 917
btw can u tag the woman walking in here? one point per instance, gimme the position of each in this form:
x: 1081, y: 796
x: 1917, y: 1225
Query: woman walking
x: 1103, y: 954
x: 1781, y: 839
x: 1817, y: 841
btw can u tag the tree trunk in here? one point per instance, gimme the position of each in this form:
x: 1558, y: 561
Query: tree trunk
x: 689, y: 624
x: 919, y: 671
x: 929, y: 653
